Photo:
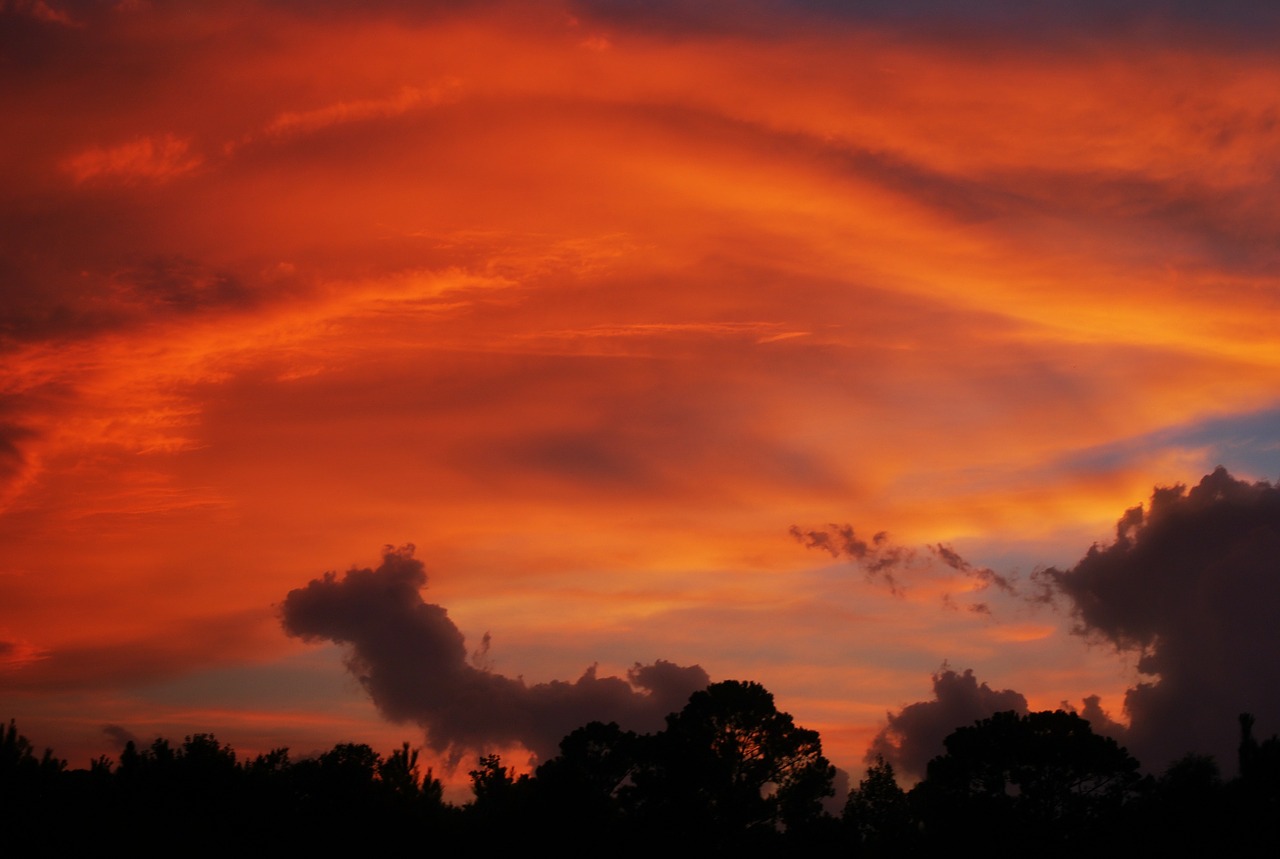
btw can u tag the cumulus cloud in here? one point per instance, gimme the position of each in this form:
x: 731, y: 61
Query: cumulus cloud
x: 413, y: 662
x: 1100, y: 720
x: 1191, y: 585
x: 915, y: 733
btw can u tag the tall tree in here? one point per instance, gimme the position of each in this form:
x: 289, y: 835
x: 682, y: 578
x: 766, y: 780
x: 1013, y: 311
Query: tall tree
x: 1015, y: 775
x: 730, y: 763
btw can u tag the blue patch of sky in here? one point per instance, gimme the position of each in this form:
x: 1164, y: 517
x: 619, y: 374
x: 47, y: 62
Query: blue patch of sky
x: 1246, y: 445
x: 298, y: 680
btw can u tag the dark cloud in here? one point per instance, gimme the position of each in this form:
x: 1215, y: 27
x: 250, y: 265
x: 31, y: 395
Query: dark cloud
x: 878, y: 557
x: 590, y: 457
x: 1192, y: 585
x: 12, y: 460
x: 180, y: 285
x: 1100, y: 720
x: 1051, y: 20
x: 915, y: 733
x: 121, y: 737
x: 413, y: 662
x: 985, y: 575
x: 888, y: 563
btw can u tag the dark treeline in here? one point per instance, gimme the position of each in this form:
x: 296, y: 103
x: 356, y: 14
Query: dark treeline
x: 729, y: 775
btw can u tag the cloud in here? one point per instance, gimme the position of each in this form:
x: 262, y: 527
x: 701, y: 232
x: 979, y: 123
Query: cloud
x: 1100, y: 720
x: 1047, y: 20
x: 405, y: 99
x: 17, y: 655
x: 888, y: 563
x: 1191, y: 585
x: 157, y: 159
x: 915, y: 733
x: 40, y: 11
x: 984, y: 575
x: 177, y: 284
x: 878, y: 558
x: 120, y: 737
x: 14, y: 464
x: 413, y: 662
x: 163, y: 652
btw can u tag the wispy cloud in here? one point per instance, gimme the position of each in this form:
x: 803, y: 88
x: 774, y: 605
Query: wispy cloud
x: 150, y: 158
x: 405, y: 99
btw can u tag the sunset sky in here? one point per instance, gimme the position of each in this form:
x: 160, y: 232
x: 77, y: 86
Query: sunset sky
x: 639, y: 322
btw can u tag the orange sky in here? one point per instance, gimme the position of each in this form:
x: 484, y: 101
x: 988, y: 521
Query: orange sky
x: 592, y: 308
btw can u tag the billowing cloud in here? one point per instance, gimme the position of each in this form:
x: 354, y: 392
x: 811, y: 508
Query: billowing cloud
x: 413, y: 662
x: 1100, y: 720
x: 915, y: 733
x: 1191, y: 585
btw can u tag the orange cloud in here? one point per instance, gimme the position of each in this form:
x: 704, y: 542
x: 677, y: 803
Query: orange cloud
x: 593, y: 313
x: 40, y: 11
x: 406, y: 99
x: 157, y: 159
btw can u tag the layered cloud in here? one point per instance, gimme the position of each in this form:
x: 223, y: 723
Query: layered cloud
x: 591, y: 297
x: 413, y: 662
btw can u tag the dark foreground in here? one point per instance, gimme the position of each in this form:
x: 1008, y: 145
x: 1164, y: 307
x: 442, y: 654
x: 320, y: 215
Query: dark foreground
x: 729, y: 775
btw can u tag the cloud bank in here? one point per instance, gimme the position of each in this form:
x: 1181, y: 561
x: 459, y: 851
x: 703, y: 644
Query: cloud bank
x: 915, y: 733
x: 413, y: 662
x: 1192, y: 585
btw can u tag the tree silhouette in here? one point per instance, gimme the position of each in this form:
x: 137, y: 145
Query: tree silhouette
x: 594, y: 762
x: 1256, y: 794
x: 877, y: 812
x: 729, y: 775
x: 730, y: 764
x: 1035, y: 778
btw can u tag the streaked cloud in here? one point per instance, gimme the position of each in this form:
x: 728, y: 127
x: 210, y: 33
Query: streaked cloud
x: 151, y: 158
x: 592, y: 301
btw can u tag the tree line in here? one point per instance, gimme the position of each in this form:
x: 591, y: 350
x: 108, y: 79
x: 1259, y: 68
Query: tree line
x: 730, y: 774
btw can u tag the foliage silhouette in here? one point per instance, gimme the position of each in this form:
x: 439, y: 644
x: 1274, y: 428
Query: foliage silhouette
x: 878, y: 812
x: 1039, y: 777
x: 729, y: 775
x: 730, y: 766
